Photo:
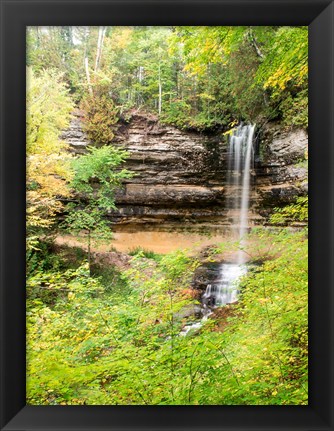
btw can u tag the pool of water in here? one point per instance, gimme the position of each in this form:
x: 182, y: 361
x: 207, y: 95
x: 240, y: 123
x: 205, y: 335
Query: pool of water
x: 158, y: 239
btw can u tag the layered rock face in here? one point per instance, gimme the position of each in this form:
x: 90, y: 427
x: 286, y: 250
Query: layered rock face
x: 75, y: 136
x: 177, y: 175
x: 182, y: 176
x: 281, y: 170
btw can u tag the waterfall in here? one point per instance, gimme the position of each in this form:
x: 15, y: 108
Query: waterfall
x: 224, y: 290
x: 240, y: 163
x: 247, y: 133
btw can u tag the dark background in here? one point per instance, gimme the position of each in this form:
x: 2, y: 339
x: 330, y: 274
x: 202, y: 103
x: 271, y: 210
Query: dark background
x: 15, y: 16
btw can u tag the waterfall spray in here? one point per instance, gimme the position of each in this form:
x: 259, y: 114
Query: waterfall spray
x: 240, y: 163
x: 244, y: 207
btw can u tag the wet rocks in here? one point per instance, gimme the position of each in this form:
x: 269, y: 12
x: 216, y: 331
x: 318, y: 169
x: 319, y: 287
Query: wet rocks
x: 191, y: 310
x: 207, y: 273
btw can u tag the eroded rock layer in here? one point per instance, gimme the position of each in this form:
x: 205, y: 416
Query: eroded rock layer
x: 182, y: 176
x: 281, y: 171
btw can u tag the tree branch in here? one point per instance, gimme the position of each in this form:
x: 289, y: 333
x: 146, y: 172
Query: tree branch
x: 254, y: 43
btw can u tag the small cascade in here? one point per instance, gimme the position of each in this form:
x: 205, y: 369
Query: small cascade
x: 225, y: 289
x: 240, y: 162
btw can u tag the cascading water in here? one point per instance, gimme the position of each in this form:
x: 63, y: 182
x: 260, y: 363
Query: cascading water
x: 248, y: 164
x: 240, y: 163
x: 224, y: 288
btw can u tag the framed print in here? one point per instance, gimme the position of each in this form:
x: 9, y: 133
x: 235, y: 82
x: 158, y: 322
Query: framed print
x: 161, y: 267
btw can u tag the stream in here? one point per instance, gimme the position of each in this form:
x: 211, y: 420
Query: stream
x: 225, y: 288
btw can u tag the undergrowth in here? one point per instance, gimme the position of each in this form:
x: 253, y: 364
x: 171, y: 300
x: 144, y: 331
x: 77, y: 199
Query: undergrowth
x: 113, y: 338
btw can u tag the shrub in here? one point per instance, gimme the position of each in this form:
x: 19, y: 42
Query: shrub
x: 100, y: 118
x: 296, y: 212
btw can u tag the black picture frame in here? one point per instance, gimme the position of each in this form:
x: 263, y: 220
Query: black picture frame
x: 15, y: 16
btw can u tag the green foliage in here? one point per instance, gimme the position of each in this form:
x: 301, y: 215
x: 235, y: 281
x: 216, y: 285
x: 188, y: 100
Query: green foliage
x: 271, y: 326
x: 96, y: 175
x: 48, y: 113
x: 177, y: 113
x: 266, y: 68
x: 106, y: 334
x: 99, y: 166
x: 175, y: 267
x: 297, y: 212
x: 295, y: 109
x: 40, y: 256
x: 94, y: 182
x: 284, y: 73
x: 286, y: 61
x: 113, y: 280
x: 101, y: 335
x: 51, y: 48
x: 142, y: 252
x: 197, y: 77
x: 101, y: 347
x: 47, y: 286
x: 100, y: 117
x: 87, y: 223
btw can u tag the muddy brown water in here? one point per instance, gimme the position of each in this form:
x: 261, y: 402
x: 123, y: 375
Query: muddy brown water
x: 156, y: 239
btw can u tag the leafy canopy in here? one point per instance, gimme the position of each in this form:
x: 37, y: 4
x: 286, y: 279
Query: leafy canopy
x: 192, y: 76
x: 48, y: 172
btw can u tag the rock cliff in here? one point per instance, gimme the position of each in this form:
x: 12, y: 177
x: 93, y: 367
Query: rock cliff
x: 281, y: 170
x: 178, y: 175
x: 75, y: 136
x: 181, y: 176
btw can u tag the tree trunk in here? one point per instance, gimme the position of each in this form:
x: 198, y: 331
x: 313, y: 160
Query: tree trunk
x: 88, y: 77
x: 160, y: 92
x: 37, y: 37
x: 89, y: 253
x: 87, y: 64
x: 254, y: 43
x: 195, y: 101
x: 102, y: 32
